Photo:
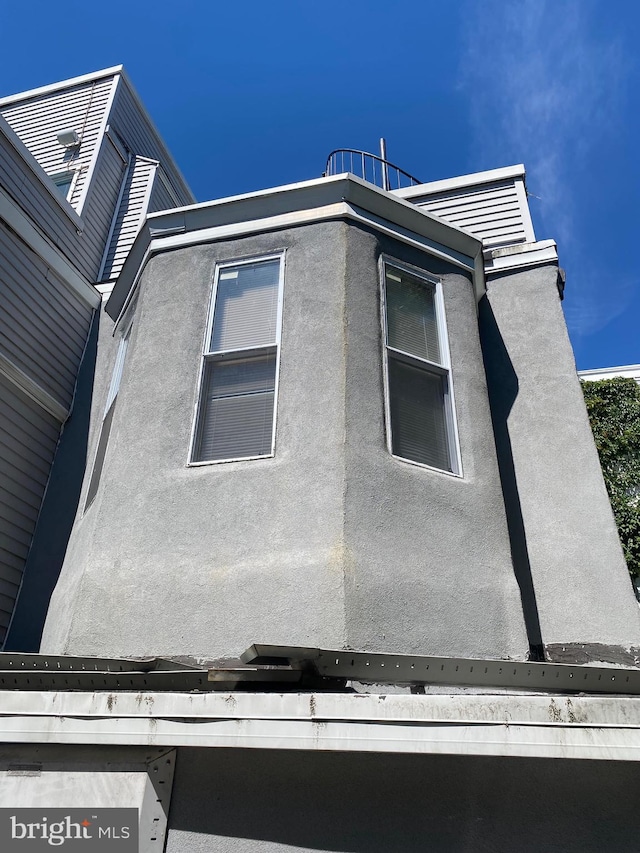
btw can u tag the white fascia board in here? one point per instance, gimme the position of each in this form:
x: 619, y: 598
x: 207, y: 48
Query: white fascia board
x: 462, y: 181
x: 16, y: 219
x: 32, y: 164
x: 520, y: 255
x: 497, y: 725
x: 290, y: 205
x: 63, y: 84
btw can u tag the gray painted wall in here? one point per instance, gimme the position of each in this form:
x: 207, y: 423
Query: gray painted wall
x: 332, y: 542
x: 245, y: 801
x: 568, y: 538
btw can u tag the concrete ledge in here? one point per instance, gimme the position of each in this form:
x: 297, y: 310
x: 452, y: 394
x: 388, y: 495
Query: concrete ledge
x: 497, y: 724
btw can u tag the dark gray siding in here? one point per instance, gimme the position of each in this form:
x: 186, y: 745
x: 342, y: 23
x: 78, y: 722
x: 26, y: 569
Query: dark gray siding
x: 20, y: 182
x: 28, y: 438
x: 100, y: 206
x: 43, y: 325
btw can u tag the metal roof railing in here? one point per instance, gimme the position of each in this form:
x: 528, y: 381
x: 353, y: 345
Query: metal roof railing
x: 376, y: 170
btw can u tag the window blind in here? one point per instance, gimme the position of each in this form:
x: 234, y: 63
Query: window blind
x: 246, y: 309
x: 420, y: 413
x: 237, y: 397
x: 417, y: 403
x: 411, y: 317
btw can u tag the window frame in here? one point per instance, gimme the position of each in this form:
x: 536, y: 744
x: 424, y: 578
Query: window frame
x: 207, y: 356
x: 442, y: 369
x: 61, y: 178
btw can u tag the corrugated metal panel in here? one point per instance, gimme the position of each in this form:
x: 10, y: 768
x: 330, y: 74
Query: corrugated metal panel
x: 130, y: 215
x: 496, y: 212
x: 37, y: 121
x: 134, y: 129
x: 43, y: 329
x: 28, y: 440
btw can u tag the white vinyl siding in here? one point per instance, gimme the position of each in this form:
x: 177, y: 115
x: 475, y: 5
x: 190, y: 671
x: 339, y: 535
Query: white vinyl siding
x: 420, y: 415
x: 497, y: 213
x: 238, y: 388
x: 38, y: 120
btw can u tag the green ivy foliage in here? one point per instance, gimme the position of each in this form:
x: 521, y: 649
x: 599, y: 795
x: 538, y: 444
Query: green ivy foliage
x: 614, y: 411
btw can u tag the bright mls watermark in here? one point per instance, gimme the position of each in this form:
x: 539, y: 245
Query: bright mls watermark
x: 80, y: 830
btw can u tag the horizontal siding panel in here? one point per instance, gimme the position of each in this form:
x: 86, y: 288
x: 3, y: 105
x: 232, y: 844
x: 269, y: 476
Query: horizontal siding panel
x: 11, y: 573
x: 29, y: 194
x: 129, y: 217
x: 37, y: 121
x: 43, y: 327
x: 28, y: 436
x: 101, y: 202
x: 491, y: 212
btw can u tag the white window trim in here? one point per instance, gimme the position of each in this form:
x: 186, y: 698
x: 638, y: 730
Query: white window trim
x: 59, y: 176
x: 444, y: 368
x: 221, y: 266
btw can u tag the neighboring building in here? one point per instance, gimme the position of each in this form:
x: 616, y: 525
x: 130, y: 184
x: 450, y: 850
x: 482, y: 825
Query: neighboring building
x: 81, y: 165
x: 334, y: 416
x: 627, y: 371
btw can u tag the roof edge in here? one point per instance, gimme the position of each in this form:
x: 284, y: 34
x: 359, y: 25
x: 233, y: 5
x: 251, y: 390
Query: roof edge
x: 62, y: 84
x: 288, y: 199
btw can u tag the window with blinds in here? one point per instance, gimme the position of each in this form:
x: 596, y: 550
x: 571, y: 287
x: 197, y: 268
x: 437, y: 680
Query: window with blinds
x: 236, y: 411
x: 420, y: 414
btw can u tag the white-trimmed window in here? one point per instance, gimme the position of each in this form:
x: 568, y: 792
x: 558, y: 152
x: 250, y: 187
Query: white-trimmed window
x: 64, y: 182
x: 419, y: 398
x: 239, y: 377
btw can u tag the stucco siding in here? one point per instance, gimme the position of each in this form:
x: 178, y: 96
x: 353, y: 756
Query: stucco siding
x: 579, y: 577
x: 332, y: 541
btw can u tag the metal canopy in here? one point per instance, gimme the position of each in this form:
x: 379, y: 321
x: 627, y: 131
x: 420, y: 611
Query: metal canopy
x: 381, y: 668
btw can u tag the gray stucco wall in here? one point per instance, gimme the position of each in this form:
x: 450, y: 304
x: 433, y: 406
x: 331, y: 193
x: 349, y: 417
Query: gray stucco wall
x: 568, y: 543
x: 330, y: 543
x: 247, y: 801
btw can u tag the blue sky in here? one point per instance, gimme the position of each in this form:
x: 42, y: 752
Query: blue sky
x: 254, y: 94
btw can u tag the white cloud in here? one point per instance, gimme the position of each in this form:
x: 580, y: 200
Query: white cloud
x: 547, y: 90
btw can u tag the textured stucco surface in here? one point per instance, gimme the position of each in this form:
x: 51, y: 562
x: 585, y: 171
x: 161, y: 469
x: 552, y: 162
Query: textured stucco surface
x: 579, y: 577
x: 245, y: 801
x: 427, y: 562
x: 332, y: 542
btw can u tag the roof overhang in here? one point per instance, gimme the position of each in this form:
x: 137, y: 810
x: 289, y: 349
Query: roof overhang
x: 338, y: 197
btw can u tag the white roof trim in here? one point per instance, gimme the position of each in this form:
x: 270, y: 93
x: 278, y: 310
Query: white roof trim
x: 63, y: 84
x: 626, y: 371
x: 298, y: 203
x: 462, y: 181
x: 542, y: 726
